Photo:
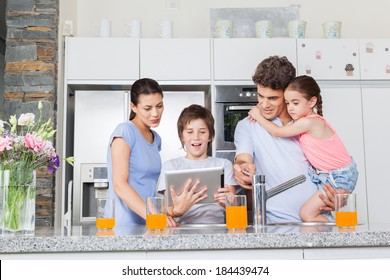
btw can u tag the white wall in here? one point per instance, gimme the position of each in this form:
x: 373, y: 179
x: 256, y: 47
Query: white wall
x: 361, y: 19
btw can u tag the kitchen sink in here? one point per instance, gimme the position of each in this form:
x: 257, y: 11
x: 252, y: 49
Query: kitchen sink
x: 303, y: 224
x: 222, y: 226
x: 202, y: 226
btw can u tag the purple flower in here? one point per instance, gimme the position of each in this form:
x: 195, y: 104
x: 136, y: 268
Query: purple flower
x: 53, y: 164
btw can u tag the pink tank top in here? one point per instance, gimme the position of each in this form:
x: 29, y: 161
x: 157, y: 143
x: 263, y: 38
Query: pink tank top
x: 325, y: 154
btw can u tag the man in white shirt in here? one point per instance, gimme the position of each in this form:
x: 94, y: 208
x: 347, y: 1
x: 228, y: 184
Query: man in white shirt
x: 279, y: 159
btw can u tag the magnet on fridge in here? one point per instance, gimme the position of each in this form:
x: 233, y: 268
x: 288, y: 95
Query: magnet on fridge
x: 369, y: 47
x: 349, y: 69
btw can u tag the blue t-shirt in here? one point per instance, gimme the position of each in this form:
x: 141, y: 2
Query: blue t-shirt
x: 279, y: 159
x: 144, y: 169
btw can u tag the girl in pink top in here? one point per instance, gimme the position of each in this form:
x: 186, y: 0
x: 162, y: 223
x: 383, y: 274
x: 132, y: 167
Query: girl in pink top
x: 330, y: 160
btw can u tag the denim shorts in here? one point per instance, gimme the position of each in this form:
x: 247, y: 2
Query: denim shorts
x: 344, y: 178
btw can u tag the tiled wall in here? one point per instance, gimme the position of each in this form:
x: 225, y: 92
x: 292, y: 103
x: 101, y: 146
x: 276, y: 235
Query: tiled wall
x: 30, y: 76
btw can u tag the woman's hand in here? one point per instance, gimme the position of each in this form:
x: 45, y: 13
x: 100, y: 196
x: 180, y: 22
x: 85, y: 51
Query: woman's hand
x: 220, y: 195
x: 329, y: 198
x: 188, y: 197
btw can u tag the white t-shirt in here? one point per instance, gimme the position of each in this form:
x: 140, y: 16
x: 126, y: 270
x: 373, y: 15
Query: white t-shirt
x: 208, y: 213
x: 279, y: 159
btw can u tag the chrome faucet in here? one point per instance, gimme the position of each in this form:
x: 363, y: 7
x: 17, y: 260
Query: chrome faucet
x: 260, y: 195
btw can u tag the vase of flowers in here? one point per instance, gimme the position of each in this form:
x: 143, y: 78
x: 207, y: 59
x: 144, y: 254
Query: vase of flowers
x: 18, y: 201
x: 25, y: 145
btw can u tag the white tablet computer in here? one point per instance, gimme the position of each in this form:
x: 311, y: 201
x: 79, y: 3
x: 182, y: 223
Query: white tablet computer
x: 212, y: 177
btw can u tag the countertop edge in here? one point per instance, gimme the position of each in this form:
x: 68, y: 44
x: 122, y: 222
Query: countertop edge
x: 180, y: 242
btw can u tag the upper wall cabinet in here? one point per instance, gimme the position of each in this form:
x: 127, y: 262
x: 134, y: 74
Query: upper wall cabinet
x: 102, y: 59
x: 375, y: 59
x: 329, y: 59
x: 237, y: 59
x: 176, y: 59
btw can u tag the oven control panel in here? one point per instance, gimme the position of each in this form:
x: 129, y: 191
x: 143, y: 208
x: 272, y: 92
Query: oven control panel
x: 236, y: 94
x: 248, y: 93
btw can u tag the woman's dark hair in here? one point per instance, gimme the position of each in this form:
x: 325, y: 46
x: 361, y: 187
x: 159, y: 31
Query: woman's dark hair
x: 309, y: 88
x: 275, y: 72
x: 143, y: 86
x: 194, y: 112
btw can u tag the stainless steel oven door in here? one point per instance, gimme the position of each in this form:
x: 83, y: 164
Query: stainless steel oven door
x: 227, y: 117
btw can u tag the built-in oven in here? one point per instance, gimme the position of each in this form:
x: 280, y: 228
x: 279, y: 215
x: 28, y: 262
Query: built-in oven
x: 232, y: 104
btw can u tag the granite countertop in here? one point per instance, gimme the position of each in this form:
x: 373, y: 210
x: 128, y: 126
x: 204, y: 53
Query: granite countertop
x: 213, y: 237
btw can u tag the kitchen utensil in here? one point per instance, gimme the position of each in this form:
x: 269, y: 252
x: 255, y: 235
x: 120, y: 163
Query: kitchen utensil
x: 236, y: 211
x: 133, y: 29
x: 264, y: 29
x: 224, y: 29
x: 297, y: 29
x: 105, y: 213
x: 260, y: 195
x: 156, y: 218
x: 166, y: 29
x: 103, y: 29
x: 332, y: 29
x: 345, y: 209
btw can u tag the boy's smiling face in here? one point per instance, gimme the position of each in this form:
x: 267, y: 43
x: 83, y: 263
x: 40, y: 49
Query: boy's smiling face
x: 196, y: 137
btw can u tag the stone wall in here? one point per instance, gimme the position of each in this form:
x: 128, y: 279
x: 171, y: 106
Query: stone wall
x: 31, y: 76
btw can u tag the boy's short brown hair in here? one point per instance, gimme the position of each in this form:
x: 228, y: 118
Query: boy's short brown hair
x: 194, y: 112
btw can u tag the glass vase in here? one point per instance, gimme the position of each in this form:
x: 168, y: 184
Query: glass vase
x: 18, y: 189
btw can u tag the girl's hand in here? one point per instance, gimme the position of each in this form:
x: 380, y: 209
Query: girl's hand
x: 329, y: 198
x: 171, y: 222
x: 254, y: 114
x: 220, y: 195
x: 188, y: 197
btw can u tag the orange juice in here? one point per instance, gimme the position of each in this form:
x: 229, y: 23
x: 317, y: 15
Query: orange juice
x: 108, y: 232
x: 105, y: 222
x: 236, y: 217
x: 346, y: 219
x: 156, y: 221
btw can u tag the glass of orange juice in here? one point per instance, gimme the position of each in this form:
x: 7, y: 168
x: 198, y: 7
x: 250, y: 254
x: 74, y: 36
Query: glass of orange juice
x: 345, y: 209
x: 156, y: 217
x: 105, y: 213
x: 236, y: 212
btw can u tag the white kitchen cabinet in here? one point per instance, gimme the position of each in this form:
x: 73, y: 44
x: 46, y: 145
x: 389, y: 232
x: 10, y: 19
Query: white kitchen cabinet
x: 342, y: 108
x: 329, y: 59
x: 237, y: 59
x: 101, y: 59
x: 376, y: 102
x: 375, y: 59
x: 347, y: 253
x: 176, y: 59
